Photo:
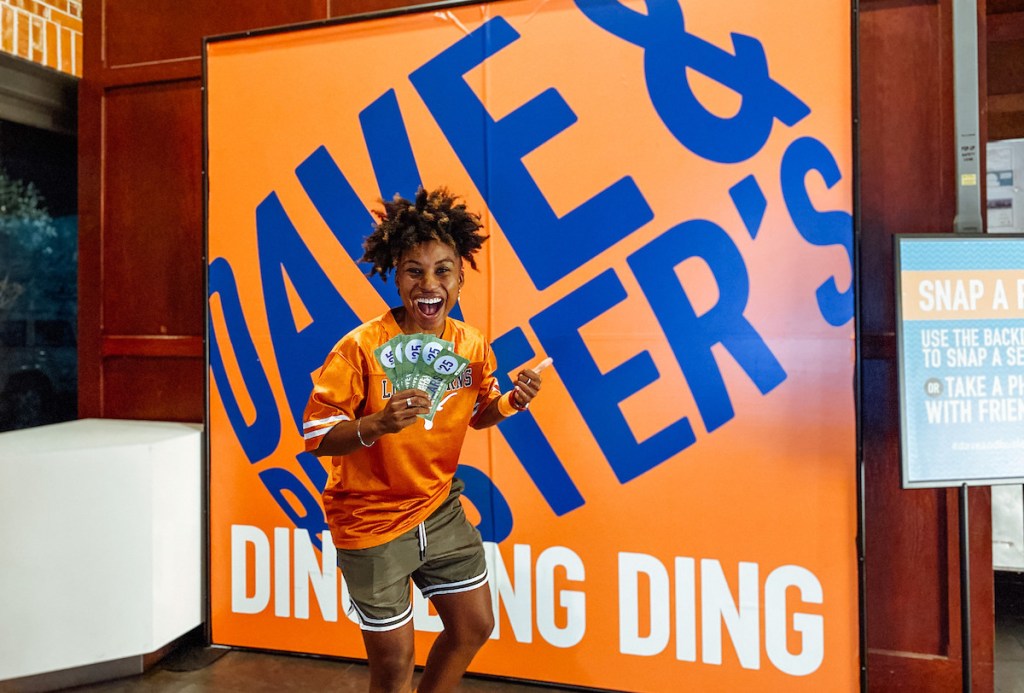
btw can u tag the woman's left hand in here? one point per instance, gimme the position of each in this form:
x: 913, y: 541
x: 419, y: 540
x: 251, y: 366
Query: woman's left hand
x: 528, y: 383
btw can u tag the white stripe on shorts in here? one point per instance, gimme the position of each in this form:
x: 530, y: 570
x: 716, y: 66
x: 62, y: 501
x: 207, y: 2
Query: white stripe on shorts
x: 453, y: 587
x: 382, y: 624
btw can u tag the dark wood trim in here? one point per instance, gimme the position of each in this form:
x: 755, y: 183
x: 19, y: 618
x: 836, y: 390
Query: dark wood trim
x: 1006, y: 103
x: 878, y: 346
x: 152, y: 73
x: 90, y: 227
x: 172, y: 346
x: 890, y: 4
x: 1008, y: 26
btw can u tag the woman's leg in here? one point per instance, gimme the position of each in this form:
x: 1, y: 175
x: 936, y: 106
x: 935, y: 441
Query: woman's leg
x: 390, y: 655
x: 468, y: 621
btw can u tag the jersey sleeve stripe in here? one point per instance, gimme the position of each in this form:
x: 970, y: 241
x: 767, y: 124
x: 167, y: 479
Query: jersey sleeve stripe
x: 322, y: 422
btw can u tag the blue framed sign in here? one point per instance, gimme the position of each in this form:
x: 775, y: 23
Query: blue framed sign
x: 960, y: 336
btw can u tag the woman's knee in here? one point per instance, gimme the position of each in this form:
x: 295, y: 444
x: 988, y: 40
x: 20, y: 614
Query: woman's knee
x: 391, y: 660
x: 472, y: 627
x: 468, y: 616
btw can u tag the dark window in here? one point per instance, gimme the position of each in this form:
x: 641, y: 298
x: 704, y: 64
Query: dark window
x: 38, y: 245
x: 54, y: 333
x: 13, y: 333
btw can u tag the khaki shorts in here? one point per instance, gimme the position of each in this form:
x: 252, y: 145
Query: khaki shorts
x: 443, y: 555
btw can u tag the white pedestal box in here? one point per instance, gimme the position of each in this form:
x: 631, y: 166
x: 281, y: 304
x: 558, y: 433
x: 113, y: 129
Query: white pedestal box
x: 101, y: 538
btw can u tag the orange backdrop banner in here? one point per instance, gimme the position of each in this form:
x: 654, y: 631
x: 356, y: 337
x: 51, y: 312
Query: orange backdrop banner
x: 667, y: 188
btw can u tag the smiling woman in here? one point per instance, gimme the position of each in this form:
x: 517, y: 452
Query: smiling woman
x: 392, y: 503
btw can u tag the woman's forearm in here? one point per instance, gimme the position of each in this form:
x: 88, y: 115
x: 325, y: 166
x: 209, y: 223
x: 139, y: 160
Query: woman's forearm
x: 348, y: 436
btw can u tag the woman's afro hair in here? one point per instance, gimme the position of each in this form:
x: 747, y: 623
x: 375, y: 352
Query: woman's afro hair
x: 436, y: 215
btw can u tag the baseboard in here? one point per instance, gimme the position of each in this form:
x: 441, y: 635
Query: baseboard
x: 97, y: 673
x: 75, y: 676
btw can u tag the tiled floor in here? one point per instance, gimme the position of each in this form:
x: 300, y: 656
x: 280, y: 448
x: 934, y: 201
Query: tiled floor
x: 240, y: 671
x: 211, y: 670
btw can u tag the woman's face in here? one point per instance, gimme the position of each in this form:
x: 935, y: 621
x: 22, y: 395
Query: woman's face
x: 429, y: 276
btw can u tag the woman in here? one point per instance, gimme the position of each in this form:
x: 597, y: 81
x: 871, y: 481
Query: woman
x: 392, y: 505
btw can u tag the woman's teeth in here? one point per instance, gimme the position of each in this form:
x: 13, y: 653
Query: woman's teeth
x: 429, y: 306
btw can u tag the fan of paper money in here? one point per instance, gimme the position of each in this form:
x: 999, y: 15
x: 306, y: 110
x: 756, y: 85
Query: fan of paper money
x: 422, y: 362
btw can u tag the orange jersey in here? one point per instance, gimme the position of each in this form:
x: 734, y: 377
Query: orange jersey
x: 375, y: 494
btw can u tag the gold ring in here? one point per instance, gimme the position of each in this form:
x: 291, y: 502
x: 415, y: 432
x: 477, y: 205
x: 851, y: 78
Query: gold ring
x: 527, y: 382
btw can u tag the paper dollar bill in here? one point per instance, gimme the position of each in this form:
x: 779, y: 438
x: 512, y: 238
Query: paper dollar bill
x: 422, y: 362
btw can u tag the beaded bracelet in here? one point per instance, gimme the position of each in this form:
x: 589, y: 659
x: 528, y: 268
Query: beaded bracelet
x: 360, y: 435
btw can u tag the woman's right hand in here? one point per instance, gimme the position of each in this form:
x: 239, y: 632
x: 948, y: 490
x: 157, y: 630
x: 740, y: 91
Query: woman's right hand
x: 402, y: 409
x: 399, y: 412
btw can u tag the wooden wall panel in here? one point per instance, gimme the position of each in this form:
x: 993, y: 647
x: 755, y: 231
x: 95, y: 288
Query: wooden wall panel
x: 141, y: 271
x: 1006, y: 69
x: 153, y: 202
x: 347, y: 8
x: 1007, y: 66
x: 907, y: 185
x: 906, y: 111
x: 151, y: 41
x: 1006, y: 119
x: 901, y: 524
x: 996, y: 7
x: 140, y: 388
